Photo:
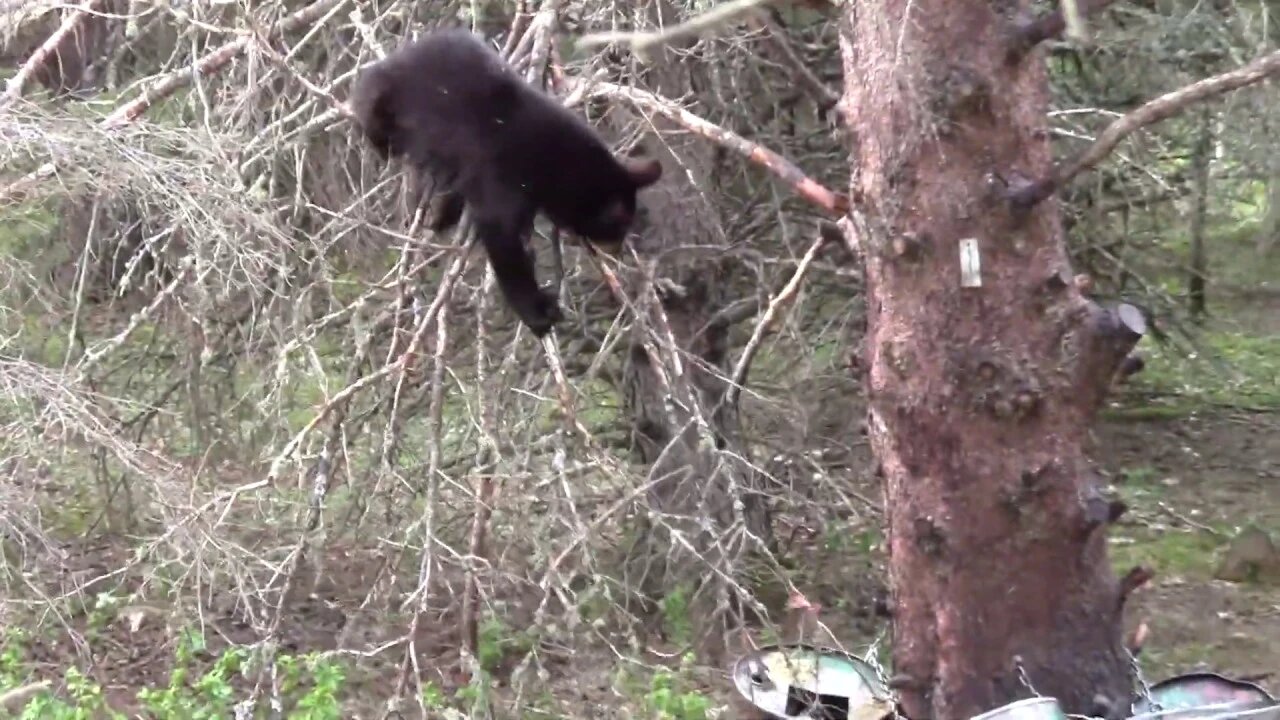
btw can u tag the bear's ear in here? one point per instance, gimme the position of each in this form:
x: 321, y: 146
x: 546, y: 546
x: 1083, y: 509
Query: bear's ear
x: 643, y: 171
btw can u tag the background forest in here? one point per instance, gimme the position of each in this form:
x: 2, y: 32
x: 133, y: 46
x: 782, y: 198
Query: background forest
x: 267, y: 444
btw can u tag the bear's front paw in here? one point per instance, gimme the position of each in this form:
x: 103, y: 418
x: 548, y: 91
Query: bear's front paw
x: 541, y: 313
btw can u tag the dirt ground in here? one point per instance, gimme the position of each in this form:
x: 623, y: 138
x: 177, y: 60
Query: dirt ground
x: 1191, y: 483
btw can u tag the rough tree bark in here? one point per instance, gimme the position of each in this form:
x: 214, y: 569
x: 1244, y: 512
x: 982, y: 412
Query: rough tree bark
x: 981, y: 395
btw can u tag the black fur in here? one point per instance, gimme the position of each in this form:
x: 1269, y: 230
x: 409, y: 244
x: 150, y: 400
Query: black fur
x: 484, y: 138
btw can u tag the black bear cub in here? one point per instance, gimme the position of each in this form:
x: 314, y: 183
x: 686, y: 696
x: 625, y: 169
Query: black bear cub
x: 484, y: 138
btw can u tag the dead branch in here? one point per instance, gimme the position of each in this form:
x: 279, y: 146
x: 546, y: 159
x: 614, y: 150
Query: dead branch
x: 766, y: 320
x: 1138, y: 638
x: 287, y: 68
x: 39, y: 58
x: 808, y: 188
x: 95, y: 354
x: 642, y: 44
x: 1131, y: 365
x: 520, y: 19
x: 367, y: 36
x: 483, y: 512
x: 1074, y: 16
x: 1108, y: 337
x: 1150, y: 113
x: 69, y: 403
x: 16, y: 697
x: 166, y: 85
x: 1136, y: 577
x: 823, y: 95
x: 451, y: 276
x: 540, y: 29
x: 212, y: 63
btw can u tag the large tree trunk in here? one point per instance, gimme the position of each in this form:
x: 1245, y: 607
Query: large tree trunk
x: 980, y: 396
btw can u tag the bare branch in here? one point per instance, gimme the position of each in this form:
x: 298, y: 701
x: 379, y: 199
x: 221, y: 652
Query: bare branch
x: 1132, y: 580
x: 1161, y: 108
x: 16, y: 697
x: 1073, y: 14
x: 167, y: 84
x: 451, y: 276
x: 807, y: 187
x: 643, y: 43
x: 39, y: 58
x: 766, y: 320
x: 825, y: 96
x: 1110, y: 334
x: 213, y: 62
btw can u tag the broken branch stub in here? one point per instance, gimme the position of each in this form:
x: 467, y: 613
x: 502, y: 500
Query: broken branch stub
x: 1108, y: 337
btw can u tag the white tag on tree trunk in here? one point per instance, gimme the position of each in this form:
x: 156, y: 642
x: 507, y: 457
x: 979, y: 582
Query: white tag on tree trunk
x: 970, y: 264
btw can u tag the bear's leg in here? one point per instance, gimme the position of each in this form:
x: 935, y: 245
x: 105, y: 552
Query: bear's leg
x: 503, y: 218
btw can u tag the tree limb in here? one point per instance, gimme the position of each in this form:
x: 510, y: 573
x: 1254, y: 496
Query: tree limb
x: 167, y: 84
x: 10, y: 700
x: 825, y: 96
x: 213, y: 62
x: 13, y: 90
x: 1073, y: 14
x: 789, y: 291
x: 1150, y: 113
x: 1107, y: 337
x: 807, y: 187
x: 643, y: 43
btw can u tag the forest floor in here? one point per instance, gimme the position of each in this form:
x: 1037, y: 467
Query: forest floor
x: 1191, y: 481
x: 1194, y: 451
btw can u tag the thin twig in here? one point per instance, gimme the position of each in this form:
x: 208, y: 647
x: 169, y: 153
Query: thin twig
x: 825, y: 96
x: 99, y: 351
x: 1188, y: 521
x: 166, y: 85
x: 487, y: 486
x: 446, y: 286
x: 766, y: 320
x: 643, y: 43
x: 212, y: 63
